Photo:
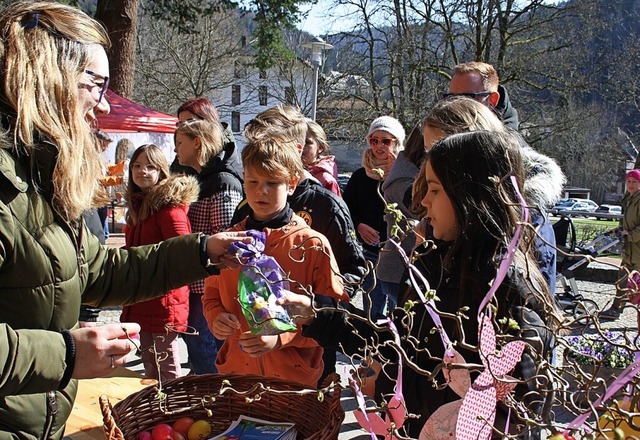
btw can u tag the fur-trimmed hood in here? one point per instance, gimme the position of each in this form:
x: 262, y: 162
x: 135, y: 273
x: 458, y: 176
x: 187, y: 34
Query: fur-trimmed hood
x: 544, y: 179
x: 176, y: 190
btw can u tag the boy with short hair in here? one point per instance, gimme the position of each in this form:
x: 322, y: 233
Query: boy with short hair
x: 272, y: 169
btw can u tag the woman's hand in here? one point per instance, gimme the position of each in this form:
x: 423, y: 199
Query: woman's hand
x: 217, y: 244
x: 368, y: 234
x: 225, y: 325
x: 101, y: 349
x: 258, y: 345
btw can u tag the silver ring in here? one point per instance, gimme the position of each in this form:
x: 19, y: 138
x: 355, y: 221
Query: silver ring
x: 112, y: 364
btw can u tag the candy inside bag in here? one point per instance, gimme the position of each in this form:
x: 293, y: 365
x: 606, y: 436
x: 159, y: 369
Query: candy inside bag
x: 261, y: 283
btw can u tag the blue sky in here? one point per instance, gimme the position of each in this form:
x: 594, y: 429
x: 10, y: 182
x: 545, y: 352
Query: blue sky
x: 317, y: 22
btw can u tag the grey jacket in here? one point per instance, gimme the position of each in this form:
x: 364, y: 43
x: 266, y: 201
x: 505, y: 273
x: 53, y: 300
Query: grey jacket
x: 391, y: 266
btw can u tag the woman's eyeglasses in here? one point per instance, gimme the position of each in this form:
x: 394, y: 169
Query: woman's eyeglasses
x: 386, y: 142
x: 105, y: 82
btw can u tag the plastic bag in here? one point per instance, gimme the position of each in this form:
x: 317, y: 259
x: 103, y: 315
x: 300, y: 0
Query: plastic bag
x: 261, y: 283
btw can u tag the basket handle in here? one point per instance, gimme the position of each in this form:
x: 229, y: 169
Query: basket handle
x: 335, y: 378
x: 111, y: 430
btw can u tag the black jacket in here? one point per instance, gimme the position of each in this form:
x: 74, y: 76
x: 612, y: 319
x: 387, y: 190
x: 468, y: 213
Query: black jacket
x: 326, y: 213
x: 331, y: 329
x: 506, y: 111
x: 223, y: 172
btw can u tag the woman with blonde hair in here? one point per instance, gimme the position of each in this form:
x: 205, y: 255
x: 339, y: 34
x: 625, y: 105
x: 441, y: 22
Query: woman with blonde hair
x: 200, y: 145
x: 54, y: 73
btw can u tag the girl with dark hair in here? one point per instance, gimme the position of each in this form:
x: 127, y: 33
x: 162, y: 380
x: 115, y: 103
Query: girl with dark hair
x: 157, y: 210
x: 474, y: 210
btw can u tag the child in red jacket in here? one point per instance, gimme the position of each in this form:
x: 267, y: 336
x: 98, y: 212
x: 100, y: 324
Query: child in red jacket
x: 157, y: 210
x: 272, y: 169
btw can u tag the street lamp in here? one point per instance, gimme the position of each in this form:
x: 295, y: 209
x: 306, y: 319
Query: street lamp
x: 317, y: 46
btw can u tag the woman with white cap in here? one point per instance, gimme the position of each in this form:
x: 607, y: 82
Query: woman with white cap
x: 363, y: 197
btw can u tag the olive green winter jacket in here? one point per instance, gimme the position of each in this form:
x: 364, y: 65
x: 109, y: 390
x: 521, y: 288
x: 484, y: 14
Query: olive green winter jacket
x: 631, y: 222
x: 47, y: 268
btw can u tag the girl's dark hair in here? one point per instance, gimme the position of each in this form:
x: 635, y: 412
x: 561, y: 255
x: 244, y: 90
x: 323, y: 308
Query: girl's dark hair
x: 475, y: 170
x: 414, y: 146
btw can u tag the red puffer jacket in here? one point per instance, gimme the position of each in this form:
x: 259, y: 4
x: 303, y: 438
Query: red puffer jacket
x: 167, y: 204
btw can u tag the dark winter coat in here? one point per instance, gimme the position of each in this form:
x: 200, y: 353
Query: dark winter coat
x: 365, y: 205
x: 168, y: 202
x: 506, y: 111
x: 47, y: 268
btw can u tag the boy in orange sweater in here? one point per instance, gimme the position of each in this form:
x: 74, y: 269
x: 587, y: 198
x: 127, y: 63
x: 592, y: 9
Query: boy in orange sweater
x: 272, y: 169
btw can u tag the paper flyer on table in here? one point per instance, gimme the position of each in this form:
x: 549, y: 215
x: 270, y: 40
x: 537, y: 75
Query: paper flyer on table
x: 250, y: 428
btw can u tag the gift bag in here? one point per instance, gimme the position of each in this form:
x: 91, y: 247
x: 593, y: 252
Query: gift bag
x: 261, y: 283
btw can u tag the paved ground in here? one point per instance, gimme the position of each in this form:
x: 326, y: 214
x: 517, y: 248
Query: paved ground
x: 601, y: 292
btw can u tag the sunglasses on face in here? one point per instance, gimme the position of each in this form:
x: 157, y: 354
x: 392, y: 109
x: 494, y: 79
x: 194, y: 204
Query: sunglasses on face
x: 386, y: 142
x: 96, y: 78
x: 468, y: 95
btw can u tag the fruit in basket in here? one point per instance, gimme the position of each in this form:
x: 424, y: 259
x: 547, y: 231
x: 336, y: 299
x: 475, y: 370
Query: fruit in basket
x: 182, y: 425
x: 162, y: 431
x: 200, y: 430
x: 176, y: 435
x: 144, y: 435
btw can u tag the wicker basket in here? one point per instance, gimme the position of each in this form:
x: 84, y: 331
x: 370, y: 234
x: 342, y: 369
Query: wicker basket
x: 221, y: 398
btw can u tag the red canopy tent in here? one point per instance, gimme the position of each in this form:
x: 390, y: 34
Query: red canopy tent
x: 128, y: 117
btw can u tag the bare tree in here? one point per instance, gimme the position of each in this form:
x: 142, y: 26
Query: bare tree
x: 174, y: 66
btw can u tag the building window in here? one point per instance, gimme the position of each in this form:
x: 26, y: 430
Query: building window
x: 263, y: 74
x: 235, y: 94
x: 262, y: 94
x: 235, y: 122
x: 290, y: 95
x: 240, y: 70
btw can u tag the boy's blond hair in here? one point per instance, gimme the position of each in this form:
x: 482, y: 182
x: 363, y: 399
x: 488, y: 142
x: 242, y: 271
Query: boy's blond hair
x: 284, y: 122
x: 274, y: 157
x: 274, y: 142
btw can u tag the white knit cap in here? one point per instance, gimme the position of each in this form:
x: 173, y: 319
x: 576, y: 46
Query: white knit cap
x: 389, y: 124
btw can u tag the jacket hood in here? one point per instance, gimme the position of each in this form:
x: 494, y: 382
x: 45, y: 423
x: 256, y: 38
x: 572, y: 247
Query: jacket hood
x: 505, y: 110
x: 544, y: 179
x: 402, y: 168
x: 228, y: 160
x: 175, y: 191
x: 326, y: 164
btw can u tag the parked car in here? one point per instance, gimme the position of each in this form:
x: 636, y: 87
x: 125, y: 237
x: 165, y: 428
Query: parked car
x: 611, y: 212
x: 584, y: 205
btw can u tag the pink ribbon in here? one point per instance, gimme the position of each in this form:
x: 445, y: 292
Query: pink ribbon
x: 625, y: 377
x: 396, y: 408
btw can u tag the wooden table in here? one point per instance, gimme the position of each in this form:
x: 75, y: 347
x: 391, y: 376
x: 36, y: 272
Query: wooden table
x: 85, y: 422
